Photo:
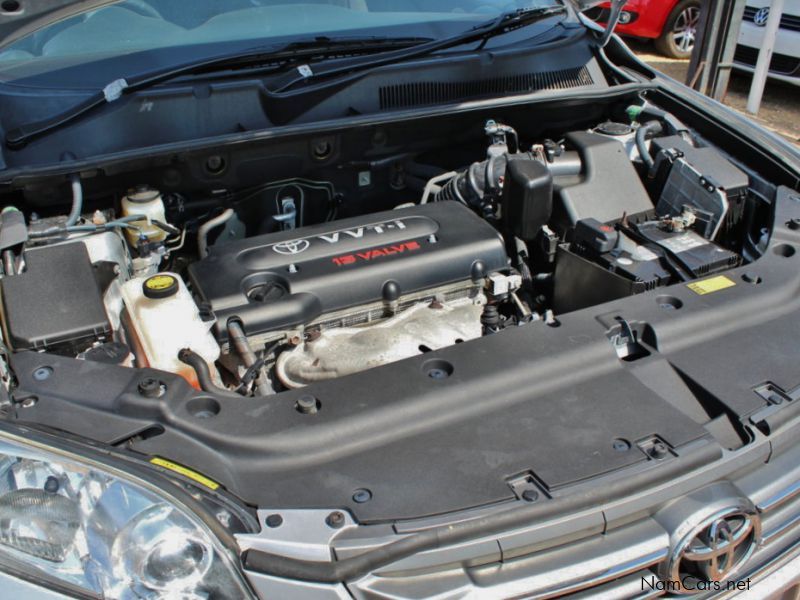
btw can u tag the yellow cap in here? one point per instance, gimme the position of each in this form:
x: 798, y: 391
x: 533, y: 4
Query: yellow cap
x: 160, y: 286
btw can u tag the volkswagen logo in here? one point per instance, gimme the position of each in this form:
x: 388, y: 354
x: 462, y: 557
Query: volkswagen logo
x: 715, y: 550
x: 291, y: 247
x: 761, y: 16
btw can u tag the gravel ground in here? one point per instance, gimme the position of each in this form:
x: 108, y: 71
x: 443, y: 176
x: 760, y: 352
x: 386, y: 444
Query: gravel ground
x: 780, y: 108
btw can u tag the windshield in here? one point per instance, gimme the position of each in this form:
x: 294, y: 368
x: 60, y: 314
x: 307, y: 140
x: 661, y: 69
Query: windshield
x: 165, y: 31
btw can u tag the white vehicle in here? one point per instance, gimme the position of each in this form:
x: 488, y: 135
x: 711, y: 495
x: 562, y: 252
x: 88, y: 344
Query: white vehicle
x: 785, y: 64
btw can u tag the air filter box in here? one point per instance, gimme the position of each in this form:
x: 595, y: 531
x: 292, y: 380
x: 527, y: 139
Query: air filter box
x: 56, y: 302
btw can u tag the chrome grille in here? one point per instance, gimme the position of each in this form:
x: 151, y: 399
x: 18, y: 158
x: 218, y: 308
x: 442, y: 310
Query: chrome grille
x: 615, y: 563
x: 790, y: 22
x: 782, y: 64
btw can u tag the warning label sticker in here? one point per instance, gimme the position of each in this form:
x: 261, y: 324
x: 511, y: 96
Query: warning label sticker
x: 186, y: 472
x: 709, y: 286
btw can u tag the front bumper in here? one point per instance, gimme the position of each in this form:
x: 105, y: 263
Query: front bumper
x: 785, y: 62
x: 791, y: 79
x: 781, y: 582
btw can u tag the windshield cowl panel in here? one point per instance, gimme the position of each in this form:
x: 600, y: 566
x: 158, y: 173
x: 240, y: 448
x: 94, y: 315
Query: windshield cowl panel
x: 199, y: 109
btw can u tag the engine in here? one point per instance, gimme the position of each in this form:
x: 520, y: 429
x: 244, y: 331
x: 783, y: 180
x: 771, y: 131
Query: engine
x: 345, y: 271
x: 270, y: 288
x: 419, y: 272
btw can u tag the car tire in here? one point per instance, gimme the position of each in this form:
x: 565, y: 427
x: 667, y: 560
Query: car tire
x: 679, y: 33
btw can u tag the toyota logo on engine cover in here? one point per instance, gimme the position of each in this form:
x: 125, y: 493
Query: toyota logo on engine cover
x: 715, y: 550
x: 291, y: 247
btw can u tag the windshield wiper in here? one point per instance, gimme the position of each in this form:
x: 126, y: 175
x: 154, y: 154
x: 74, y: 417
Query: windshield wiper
x: 317, y: 47
x: 500, y: 25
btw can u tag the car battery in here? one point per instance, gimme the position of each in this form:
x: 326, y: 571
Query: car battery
x: 603, y: 263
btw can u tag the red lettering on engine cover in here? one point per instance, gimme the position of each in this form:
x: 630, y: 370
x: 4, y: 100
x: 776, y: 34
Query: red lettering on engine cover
x: 349, y: 259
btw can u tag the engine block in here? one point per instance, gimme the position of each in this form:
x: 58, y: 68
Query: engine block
x: 293, y: 278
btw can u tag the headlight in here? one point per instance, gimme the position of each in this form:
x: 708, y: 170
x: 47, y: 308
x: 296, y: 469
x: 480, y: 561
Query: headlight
x: 95, y: 529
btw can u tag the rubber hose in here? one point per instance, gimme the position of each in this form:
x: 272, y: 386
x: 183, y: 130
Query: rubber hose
x: 205, y: 228
x: 77, y: 200
x: 641, y: 141
x: 124, y: 222
x: 200, y: 366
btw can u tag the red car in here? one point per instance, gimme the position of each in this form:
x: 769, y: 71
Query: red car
x: 671, y: 23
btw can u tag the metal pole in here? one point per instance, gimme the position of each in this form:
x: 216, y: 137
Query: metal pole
x: 714, y: 26
x: 765, y: 57
x: 733, y: 20
x: 712, y: 58
x: 698, y: 59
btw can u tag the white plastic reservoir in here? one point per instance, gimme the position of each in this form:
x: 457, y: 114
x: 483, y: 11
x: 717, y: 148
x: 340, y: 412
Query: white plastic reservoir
x: 165, y: 320
x: 147, y: 203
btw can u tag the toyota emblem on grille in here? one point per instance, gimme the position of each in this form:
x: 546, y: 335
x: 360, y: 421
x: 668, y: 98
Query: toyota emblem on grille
x: 291, y: 247
x: 717, y: 549
x: 761, y: 16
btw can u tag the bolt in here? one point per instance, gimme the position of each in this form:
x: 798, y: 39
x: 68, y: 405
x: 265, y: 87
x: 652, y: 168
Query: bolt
x: 530, y: 495
x: 379, y: 138
x: 150, y: 387
x: 335, y: 520
x: 215, y: 163
x: 42, y: 373
x: 362, y: 495
x: 659, y: 450
x: 307, y: 404
x: 437, y: 374
x: 273, y: 521
x: 621, y: 445
x: 321, y: 149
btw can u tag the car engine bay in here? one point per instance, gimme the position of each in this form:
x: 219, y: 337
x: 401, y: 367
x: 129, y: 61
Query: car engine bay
x: 301, y: 280
x: 497, y: 312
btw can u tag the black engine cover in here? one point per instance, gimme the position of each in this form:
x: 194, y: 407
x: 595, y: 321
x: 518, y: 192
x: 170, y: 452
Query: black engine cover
x: 291, y: 278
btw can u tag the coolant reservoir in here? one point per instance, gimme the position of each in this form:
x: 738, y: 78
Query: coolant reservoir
x: 165, y: 320
x: 148, y: 203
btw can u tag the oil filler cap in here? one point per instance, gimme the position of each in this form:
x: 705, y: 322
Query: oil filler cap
x: 160, y: 286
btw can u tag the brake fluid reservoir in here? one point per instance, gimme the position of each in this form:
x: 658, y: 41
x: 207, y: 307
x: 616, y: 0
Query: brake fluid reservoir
x: 165, y: 320
x: 146, y: 202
